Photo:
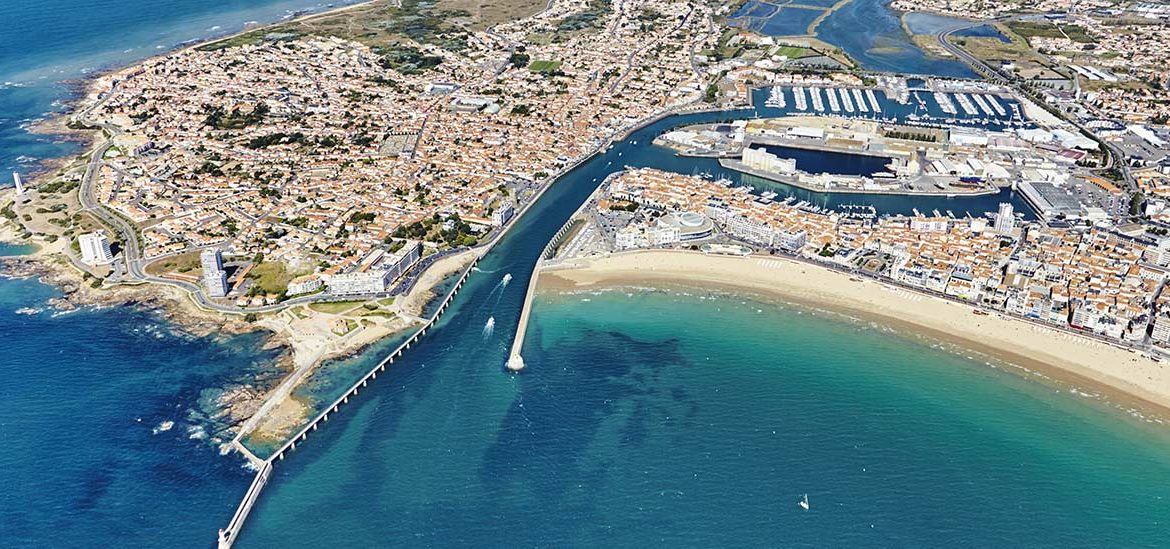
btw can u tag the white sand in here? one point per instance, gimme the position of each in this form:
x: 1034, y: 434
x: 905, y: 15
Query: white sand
x: 1082, y: 359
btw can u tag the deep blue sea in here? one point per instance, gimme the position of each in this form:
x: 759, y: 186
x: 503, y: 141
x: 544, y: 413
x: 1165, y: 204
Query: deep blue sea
x: 644, y: 417
x: 47, y: 46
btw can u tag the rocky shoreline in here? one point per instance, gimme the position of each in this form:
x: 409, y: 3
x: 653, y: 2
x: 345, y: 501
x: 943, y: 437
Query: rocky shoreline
x: 236, y: 402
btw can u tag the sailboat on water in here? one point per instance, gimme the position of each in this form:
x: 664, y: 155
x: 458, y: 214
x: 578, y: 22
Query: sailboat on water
x: 804, y: 503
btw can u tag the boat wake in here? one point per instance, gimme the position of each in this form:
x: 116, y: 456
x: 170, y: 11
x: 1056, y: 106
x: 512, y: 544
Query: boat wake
x: 489, y: 327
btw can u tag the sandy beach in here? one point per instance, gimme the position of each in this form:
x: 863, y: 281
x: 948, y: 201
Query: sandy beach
x: 1121, y: 374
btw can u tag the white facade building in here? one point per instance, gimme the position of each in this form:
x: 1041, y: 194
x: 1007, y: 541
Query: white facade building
x: 763, y: 160
x: 1005, y: 220
x: 791, y: 241
x: 304, y: 285
x: 1161, y: 333
x: 502, y: 214
x: 214, y: 277
x: 751, y: 231
x: 929, y: 224
x: 95, y: 249
x: 378, y: 277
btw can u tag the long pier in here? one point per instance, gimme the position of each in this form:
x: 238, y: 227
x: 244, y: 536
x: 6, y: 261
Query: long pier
x: 227, y: 536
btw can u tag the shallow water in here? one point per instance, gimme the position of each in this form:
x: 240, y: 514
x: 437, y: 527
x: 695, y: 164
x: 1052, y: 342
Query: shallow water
x: 691, y: 419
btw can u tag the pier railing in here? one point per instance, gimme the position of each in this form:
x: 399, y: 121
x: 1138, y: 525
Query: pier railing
x: 227, y: 536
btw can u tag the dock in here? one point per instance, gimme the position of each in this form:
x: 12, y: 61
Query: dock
x: 815, y: 92
x: 846, y: 101
x: 860, y: 100
x: 831, y: 95
x: 873, y: 102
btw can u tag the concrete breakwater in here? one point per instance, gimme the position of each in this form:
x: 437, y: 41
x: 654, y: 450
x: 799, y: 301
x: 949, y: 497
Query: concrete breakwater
x: 515, y: 361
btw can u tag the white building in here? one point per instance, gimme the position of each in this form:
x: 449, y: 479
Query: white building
x: 18, y: 182
x: 1005, y: 220
x: 751, y: 231
x: 1161, y: 333
x: 367, y: 282
x: 502, y: 214
x: 214, y: 277
x: 791, y: 241
x: 628, y: 237
x: 929, y: 224
x: 377, y: 278
x: 304, y: 285
x: 638, y: 236
x: 95, y: 249
x: 763, y: 160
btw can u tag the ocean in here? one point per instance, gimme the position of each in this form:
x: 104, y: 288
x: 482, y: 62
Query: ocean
x: 699, y: 419
x: 643, y: 418
x: 48, y: 46
x: 106, y: 425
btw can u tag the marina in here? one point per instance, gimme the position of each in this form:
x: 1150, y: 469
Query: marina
x: 873, y: 102
x: 857, y: 96
x: 945, y: 103
x: 776, y: 98
x: 965, y: 102
x: 816, y: 99
x: 846, y: 101
x: 834, y: 105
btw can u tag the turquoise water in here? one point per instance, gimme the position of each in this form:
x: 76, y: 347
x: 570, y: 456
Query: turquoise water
x: 9, y: 249
x: 682, y: 418
x: 621, y: 432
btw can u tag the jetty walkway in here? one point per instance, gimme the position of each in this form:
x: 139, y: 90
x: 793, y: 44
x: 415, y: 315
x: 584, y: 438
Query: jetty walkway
x: 227, y: 536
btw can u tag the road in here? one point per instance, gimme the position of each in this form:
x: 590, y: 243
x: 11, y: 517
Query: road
x: 1113, y: 153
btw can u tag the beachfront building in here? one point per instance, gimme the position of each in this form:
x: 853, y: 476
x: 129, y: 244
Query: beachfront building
x: 790, y: 241
x: 376, y: 272
x: 95, y: 249
x: 1161, y: 331
x: 358, y: 283
x: 750, y: 230
x: 214, y: 276
x: 644, y: 236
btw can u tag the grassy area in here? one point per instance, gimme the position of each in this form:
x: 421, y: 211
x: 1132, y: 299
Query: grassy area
x: 334, y: 307
x: 1045, y: 29
x: 544, y: 66
x: 794, y: 52
x: 382, y: 24
x: 186, y: 263
x: 272, y: 277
